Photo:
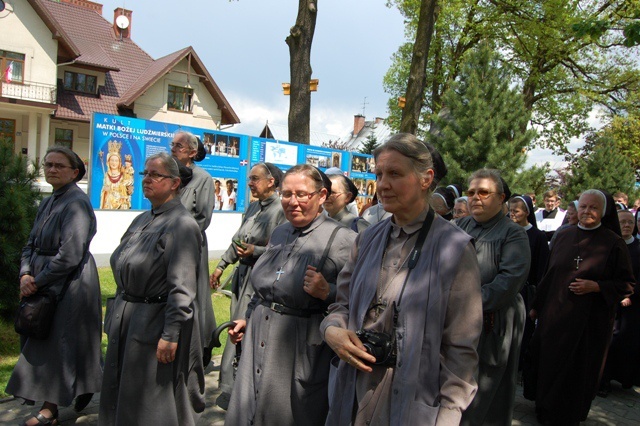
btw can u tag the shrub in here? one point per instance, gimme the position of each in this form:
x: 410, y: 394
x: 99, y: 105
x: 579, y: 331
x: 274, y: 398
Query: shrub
x: 18, y: 206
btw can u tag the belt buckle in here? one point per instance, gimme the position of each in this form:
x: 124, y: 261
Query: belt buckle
x: 275, y: 307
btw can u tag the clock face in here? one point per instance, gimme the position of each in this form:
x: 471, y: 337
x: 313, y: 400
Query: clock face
x: 122, y: 22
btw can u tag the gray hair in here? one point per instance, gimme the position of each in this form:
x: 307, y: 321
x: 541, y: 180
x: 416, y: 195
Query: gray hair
x: 411, y: 147
x: 169, y: 163
x: 598, y: 193
x: 492, y: 174
x: 188, y: 137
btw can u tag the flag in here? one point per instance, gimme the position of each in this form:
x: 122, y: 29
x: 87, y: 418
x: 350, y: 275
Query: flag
x: 8, y: 73
x: 244, y: 162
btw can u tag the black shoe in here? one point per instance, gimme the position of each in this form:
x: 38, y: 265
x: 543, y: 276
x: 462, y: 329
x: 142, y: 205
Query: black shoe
x: 223, y: 400
x: 82, y: 401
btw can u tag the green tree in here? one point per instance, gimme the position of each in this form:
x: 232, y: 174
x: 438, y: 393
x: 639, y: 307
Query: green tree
x: 562, y: 76
x: 18, y: 207
x: 600, y: 165
x: 481, y: 124
x: 369, y: 144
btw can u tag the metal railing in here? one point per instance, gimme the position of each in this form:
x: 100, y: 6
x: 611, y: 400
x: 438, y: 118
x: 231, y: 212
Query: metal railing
x: 29, y: 91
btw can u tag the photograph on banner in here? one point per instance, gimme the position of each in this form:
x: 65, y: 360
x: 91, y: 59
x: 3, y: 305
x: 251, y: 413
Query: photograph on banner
x: 325, y: 158
x: 282, y: 154
x: 226, y: 194
x: 221, y: 144
x: 362, y: 175
x: 120, y: 146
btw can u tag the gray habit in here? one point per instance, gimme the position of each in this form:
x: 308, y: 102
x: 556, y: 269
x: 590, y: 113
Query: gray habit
x: 259, y: 221
x: 198, y: 198
x: 67, y: 363
x: 502, y: 247
x: 158, y: 256
x: 345, y: 217
x: 438, y: 327
x: 284, y: 369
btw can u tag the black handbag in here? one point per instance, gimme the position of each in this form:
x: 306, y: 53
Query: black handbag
x: 35, y: 315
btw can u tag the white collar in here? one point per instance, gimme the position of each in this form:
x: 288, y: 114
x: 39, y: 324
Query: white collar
x: 589, y: 229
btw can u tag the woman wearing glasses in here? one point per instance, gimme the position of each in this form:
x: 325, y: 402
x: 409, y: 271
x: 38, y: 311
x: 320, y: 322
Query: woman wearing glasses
x: 153, y: 372
x: 284, y: 369
x: 67, y: 363
x: 412, y: 281
x: 343, y: 191
x: 198, y: 198
x: 502, y: 248
x: 248, y: 244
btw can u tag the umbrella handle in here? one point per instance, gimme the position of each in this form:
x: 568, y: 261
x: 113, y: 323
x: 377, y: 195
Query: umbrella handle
x: 215, y: 336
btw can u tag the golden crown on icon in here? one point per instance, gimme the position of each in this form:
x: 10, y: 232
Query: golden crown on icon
x: 114, y: 147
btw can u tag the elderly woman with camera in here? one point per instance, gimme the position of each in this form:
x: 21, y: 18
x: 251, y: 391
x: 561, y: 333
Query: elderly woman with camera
x: 153, y: 372
x: 284, y: 369
x: 408, y: 311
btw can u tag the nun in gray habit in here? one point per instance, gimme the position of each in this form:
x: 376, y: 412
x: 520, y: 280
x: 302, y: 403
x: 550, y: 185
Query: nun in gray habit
x: 153, y: 372
x: 248, y: 244
x: 284, y: 369
x: 411, y: 280
x: 198, y: 198
x: 67, y: 363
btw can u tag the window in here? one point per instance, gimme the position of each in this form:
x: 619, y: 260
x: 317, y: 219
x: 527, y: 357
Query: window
x: 80, y: 82
x: 12, y: 66
x: 64, y: 137
x: 8, y: 129
x: 180, y: 98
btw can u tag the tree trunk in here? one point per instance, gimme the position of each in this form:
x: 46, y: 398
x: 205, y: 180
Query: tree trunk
x: 299, y: 41
x: 417, y: 73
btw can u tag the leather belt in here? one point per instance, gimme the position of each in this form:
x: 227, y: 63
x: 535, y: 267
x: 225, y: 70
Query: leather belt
x: 156, y: 299
x: 282, y: 309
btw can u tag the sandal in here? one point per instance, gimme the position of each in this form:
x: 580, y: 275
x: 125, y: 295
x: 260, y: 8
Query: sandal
x: 42, y: 420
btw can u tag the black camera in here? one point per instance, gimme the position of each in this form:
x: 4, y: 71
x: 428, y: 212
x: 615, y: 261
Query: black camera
x: 380, y: 345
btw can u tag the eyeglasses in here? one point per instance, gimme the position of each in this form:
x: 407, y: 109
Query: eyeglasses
x: 154, y: 176
x: 626, y: 222
x: 482, y: 193
x: 335, y: 194
x: 177, y: 146
x: 303, y: 197
x: 56, y: 166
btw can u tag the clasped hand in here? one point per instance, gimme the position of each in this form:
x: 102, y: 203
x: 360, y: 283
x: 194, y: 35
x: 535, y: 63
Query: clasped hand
x: 315, y: 285
x: 27, y: 286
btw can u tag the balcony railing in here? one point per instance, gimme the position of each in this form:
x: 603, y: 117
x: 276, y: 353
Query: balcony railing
x: 29, y: 91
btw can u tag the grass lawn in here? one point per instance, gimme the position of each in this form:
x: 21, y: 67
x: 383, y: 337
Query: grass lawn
x: 10, y: 348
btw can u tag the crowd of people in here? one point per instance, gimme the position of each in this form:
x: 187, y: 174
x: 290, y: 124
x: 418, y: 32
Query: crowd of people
x: 423, y: 309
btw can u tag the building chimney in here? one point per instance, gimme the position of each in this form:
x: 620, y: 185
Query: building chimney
x: 379, y: 120
x: 86, y: 4
x: 122, y: 32
x: 358, y: 124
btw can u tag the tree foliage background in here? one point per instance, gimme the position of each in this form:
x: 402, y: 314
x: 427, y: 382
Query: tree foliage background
x: 599, y: 164
x: 18, y: 207
x: 562, y: 72
x: 482, y: 120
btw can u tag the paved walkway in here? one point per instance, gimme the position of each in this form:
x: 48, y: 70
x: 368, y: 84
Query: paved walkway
x: 622, y: 407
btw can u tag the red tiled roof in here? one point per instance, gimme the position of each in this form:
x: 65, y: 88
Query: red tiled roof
x: 129, y: 69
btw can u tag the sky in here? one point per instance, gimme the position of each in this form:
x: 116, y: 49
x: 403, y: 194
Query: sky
x: 242, y: 44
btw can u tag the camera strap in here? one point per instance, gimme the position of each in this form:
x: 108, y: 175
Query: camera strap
x: 413, y: 261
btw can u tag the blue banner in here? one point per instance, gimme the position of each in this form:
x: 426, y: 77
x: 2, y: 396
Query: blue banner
x: 120, y: 146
